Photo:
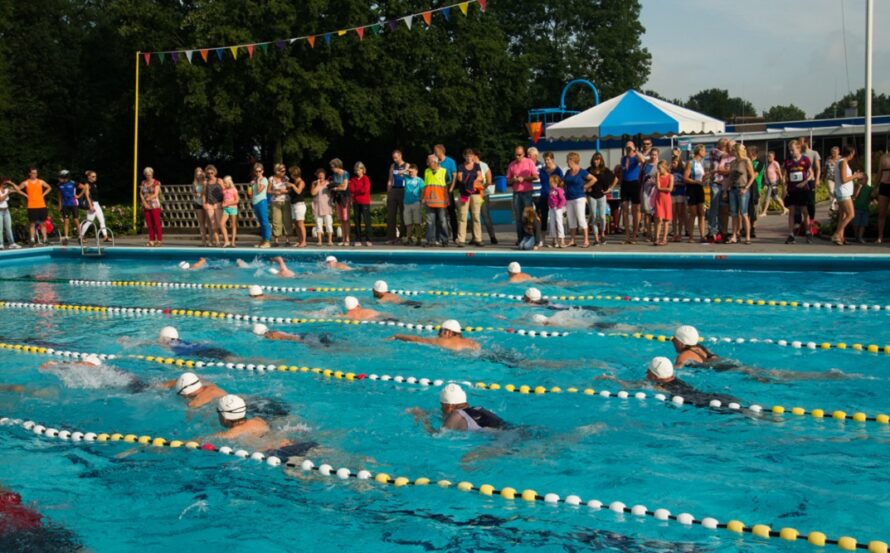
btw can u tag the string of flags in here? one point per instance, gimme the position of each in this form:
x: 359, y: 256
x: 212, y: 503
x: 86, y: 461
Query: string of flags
x: 222, y: 52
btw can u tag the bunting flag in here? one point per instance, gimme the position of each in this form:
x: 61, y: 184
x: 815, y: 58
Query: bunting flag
x: 376, y: 28
x: 535, y: 128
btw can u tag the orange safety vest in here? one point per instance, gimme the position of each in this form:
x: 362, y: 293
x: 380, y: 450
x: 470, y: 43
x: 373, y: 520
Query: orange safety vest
x: 34, y: 190
x: 435, y: 194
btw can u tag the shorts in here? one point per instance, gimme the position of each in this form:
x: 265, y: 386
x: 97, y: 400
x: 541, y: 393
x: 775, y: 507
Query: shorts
x: 884, y: 189
x: 630, y: 192
x: 576, y: 214
x: 860, y: 218
x: 413, y: 214
x: 231, y: 211
x: 298, y: 211
x: 69, y: 211
x: 738, y: 202
x: 695, y: 195
x: 797, y: 197
x: 37, y: 215
x: 679, y: 200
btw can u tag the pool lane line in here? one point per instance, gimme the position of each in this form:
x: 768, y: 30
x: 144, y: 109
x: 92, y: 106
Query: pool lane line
x: 776, y: 411
x: 818, y: 539
x: 222, y: 315
x: 716, y: 300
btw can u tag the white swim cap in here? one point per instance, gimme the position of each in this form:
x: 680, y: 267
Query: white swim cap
x: 184, y: 265
x: 253, y: 290
x: 381, y: 287
x: 514, y: 268
x: 350, y: 303
x: 540, y: 319
x: 661, y: 367
x: 452, y: 394
x: 231, y: 407
x: 273, y: 271
x: 686, y: 335
x: 452, y: 325
x: 169, y: 333
x: 92, y: 359
x: 260, y: 329
x: 187, y: 384
x: 533, y: 294
x: 330, y: 259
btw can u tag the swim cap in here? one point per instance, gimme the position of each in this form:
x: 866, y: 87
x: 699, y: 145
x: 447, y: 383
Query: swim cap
x: 540, y: 319
x: 255, y: 290
x: 351, y: 302
x: 260, y: 329
x: 452, y: 394
x: 184, y: 265
x: 330, y: 259
x: 273, y: 271
x: 169, y: 333
x: 452, y: 325
x: 231, y: 407
x: 187, y: 384
x: 381, y: 287
x: 514, y: 268
x: 686, y: 335
x: 533, y: 294
x: 92, y: 360
x: 661, y: 367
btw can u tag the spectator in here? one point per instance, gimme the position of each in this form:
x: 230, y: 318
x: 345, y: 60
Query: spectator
x: 862, y: 199
x: 360, y: 190
x: 488, y: 187
x: 816, y: 177
x: 741, y: 179
x: 845, y: 179
x: 545, y: 171
x: 88, y: 198
x: 646, y: 148
x: 279, y: 206
x: 773, y: 179
x: 718, y: 169
x: 797, y: 173
x: 413, y: 211
x: 520, y: 174
x: 198, y: 198
x: 694, y: 179
x: 754, y: 200
x: 395, y: 198
x: 229, y: 211
x: 831, y: 175
x: 435, y: 198
x: 556, y: 201
x: 631, y: 165
x: 151, y: 207
x: 322, y: 207
x: 297, y: 194
x: 648, y: 192
x: 68, y: 204
x: 258, y: 192
x: 213, y: 198
x: 576, y: 181
x: 6, y: 188
x: 664, y: 185
x: 678, y: 198
x: 469, y: 179
x: 883, y: 194
x: 339, y: 188
x: 531, y: 229
x: 543, y: 183
x: 35, y: 190
x: 450, y: 167
x: 597, y: 193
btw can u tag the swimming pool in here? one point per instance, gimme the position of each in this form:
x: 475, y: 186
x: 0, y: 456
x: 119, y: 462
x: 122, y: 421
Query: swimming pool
x: 796, y: 471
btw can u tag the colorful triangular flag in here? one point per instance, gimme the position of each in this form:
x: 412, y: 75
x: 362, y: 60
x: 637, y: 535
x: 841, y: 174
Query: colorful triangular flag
x: 280, y: 45
x: 427, y: 18
x: 264, y: 47
x: 188, y: 55
x: 407, y: 20
x: 162, y: 56
x: 175, y: 56
x: 341, y: 32
x: 204, y: 53
x: 446, y: 13
x: 311, y: 41
x: 483, y: 4
x: 327, y: 39
x: 377, y: 28
x: 219, y: 54
x: 147, y: 57
x: 250, y: 51
x: 360, y: 31
x: 463, y: 7
x: 234, y: 50
x: 392, y: 24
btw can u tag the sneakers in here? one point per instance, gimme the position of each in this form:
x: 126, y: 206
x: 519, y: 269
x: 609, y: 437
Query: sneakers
x: 790, y: 239
x: 15, y: 246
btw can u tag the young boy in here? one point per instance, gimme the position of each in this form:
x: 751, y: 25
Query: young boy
x: 861, y: 200
x: 413, y: 215
x: 68, y: 203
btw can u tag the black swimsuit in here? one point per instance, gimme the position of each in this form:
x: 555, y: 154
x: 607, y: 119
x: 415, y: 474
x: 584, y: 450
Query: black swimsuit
x: 695, y: 397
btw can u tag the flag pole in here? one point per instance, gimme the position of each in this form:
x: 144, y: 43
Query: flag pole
x: 136, y: 142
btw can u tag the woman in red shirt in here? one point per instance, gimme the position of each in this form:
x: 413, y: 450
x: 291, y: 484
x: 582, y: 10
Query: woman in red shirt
x: 360, y: 190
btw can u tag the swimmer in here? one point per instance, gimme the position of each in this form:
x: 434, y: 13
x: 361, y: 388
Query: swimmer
x: 383, y: 295
x: 533, y: 296
x: 242, y: 264
x: 282, y: 269
x: 332, y: 263
x: 23, y: 529
x: 515, y: 274
x: 90, y: 373
x: 457, y: 414
x: 232, y: 412
x: 356, y: 312
x: 198, y: 392
x: 449, y: 337
x: 689, y: 352
x: 660, y: 375
x: 199, y: 264
x: 169, y: 338
x: 322, y: 340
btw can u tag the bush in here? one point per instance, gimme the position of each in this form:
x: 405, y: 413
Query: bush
x: 117, y: 218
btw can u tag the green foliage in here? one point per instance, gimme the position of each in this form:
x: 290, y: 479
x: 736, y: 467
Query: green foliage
x: 880, y: 105
x: 718, y: 103
x: 784, y: 113
x: 117, y: 218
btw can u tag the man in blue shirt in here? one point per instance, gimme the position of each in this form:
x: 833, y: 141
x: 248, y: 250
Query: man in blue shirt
x: 450, y: 167
x: 395, y: 198
x: 631, y: 163
x: 67, y: 202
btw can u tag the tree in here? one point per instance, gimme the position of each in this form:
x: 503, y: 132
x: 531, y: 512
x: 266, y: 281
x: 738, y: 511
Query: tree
x: 880, y: 105
x: 784, y: 113
x: 718, y: 104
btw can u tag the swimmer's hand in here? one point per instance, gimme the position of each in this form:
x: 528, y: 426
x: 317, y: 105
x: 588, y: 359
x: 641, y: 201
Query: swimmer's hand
x: 127, y: 453
x: 416, y: 412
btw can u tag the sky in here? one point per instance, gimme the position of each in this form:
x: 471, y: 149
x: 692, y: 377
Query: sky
x: 772, y: 52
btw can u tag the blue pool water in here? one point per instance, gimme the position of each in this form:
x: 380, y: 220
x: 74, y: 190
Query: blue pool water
x: 812, y: 475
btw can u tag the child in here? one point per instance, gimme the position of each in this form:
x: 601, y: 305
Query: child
x: 663, y: 203
x: 322, y: 207
x: 861, y: 200
x: 531, y: 230
x: 413, y: 214
x: 557, y: 202
x: 230, y: 211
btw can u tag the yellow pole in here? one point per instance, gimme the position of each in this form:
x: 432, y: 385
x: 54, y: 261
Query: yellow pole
x: 136, y: 143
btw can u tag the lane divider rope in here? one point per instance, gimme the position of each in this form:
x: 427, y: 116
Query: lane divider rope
x: 776, y: 411
x: 818, y: 539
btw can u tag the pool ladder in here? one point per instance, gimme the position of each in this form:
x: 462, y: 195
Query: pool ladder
x: 86, y: 249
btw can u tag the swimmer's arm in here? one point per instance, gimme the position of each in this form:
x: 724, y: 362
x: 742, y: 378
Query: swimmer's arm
x: 168, y: 384
x: 413, y: 339
x: 16, y: 388
x: 629, y: 385
x: 454, y: 422
x: 423, y: 418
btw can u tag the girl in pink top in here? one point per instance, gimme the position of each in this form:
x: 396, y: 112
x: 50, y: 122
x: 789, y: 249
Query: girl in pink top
x: 663, y: 205
x: 557, y: 202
